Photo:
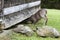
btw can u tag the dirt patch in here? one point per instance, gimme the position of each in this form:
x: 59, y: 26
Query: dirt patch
x: 6, y: 35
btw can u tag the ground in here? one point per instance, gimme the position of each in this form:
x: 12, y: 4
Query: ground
x: 53, y: 20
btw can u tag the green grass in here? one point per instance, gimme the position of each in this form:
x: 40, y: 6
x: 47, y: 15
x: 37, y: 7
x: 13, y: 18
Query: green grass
x: 53, y: 20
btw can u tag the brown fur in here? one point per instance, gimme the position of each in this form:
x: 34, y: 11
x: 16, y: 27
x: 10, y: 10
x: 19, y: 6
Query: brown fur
x: 41, y: 14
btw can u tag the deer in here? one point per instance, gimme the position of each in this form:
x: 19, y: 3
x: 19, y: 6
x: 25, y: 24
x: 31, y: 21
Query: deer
x: 41, y: 14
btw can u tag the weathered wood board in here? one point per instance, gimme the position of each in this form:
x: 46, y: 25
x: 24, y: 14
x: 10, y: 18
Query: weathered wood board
x: 16, y: 14
x: 17, y: 8
x: 17, y: 17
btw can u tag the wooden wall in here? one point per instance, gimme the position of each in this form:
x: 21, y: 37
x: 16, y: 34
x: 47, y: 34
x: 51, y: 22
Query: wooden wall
x: 9, y: 3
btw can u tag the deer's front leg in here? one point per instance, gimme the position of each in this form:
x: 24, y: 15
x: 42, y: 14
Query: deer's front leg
x: 45, y: 20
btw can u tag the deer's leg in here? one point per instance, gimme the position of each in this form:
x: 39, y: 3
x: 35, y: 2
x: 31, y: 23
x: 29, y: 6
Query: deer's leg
x: 45, y: 20
x: 34, y: 20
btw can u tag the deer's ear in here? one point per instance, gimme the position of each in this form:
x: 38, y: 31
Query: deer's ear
x: 39, y: 11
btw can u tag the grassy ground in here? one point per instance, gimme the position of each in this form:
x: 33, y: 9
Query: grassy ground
x: 53, y: 20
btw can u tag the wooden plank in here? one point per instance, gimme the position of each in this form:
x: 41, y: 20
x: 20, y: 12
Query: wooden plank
x: 19, y: 16
x: 13, y: 9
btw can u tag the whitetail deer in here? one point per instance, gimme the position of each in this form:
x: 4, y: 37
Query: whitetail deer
x: 41, y: 14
